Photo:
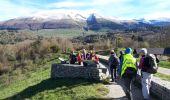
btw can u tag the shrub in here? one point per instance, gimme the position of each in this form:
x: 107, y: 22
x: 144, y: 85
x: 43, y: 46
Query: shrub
x: 54, y: 48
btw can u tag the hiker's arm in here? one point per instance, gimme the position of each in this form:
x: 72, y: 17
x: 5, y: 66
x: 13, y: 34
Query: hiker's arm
x: 120, y: 66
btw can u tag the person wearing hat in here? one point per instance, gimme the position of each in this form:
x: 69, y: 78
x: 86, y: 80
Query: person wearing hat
x: 113, y: 63
x: 128, y: 71
x: 146, y: 76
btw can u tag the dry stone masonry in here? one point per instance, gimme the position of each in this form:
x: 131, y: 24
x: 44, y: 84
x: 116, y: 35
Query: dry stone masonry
x: 78, y: 71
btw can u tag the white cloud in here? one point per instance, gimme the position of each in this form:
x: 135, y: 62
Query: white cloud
x: 67, y: 4
x: 117, y: 8
x: 157, y: 15
x: 9, y: 10
x: 105, y: 2
x: 46, y: 13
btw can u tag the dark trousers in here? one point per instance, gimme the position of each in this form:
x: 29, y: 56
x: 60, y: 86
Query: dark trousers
x: 128, y: 81
x: 113, y: 70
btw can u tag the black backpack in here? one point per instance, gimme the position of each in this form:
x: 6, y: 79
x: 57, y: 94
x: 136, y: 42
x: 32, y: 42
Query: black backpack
x: 130, y: 72
x: 150, y: 64
x: 115, y: 62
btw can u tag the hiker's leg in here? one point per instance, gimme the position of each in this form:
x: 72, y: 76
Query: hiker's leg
x: 145, y: 85
x: 127, y: 82
x: 115, y: 73
x: 149, y: 80
x: 111, y: 72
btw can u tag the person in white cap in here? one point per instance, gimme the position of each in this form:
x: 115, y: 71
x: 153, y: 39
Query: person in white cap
x: 146, y: 77
x: 113, y: 63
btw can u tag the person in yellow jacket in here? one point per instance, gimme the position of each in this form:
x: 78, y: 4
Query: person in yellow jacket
x: 128, y: 70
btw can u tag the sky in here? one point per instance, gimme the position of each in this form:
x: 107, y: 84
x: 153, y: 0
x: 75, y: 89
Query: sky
x: 125, y: 9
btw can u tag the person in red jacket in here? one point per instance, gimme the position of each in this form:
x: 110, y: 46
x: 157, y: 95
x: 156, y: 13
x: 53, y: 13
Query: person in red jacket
x: 95, y: 58
x: 79, y: 58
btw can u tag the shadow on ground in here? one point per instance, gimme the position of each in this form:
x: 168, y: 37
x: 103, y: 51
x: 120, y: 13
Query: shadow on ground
x: 50, y: 84
x: 122, y: 98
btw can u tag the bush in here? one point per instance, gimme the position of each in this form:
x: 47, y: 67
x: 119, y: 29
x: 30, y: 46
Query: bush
x: 4, y: 79
x: 4, y: 69
x: 54, y: 48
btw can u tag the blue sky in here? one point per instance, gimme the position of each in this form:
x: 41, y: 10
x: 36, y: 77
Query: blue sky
x: 126, y: 9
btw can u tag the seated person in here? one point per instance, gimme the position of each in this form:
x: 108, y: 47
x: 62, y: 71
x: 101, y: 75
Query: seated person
x: 72, y: 58
x: 79, y: 58
x: 95, y: 58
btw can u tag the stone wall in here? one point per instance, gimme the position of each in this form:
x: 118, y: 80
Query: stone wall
x: 159, y: 88
x: 77, y: 71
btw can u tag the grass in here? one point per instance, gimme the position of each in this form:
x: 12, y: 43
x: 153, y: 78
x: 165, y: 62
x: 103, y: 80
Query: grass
x: 66, y: 33
x: 164, y: 64
x: 38, y: 85
x: 162, y: 76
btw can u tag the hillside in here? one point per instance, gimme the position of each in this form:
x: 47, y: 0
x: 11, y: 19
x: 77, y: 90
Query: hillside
x: 37, y: 84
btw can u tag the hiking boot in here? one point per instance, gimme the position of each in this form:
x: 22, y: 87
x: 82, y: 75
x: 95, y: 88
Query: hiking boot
x: 112, y: 81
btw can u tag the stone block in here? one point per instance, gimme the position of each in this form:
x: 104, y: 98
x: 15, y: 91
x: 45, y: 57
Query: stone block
x: 77, y: 71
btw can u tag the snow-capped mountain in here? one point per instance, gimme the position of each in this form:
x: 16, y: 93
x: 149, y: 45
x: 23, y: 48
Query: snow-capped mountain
x: 76, y: 19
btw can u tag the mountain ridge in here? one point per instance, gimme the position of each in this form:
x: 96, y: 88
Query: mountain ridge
x: 76, y: 20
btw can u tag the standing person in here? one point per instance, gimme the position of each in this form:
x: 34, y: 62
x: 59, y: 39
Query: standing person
x: 147, y: 61
x: 91, y: 54
x: 113, y: 63
x: 135, y: 54
x: 79, y: 58
x: 121, y: 55
x: 84, y: 55
x: 121, y: 61
x: 88, y: 56
x: 72, y: 57
x: 128, y: 71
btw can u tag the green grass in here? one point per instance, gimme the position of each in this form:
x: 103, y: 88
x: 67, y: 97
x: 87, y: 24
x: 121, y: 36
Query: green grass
x: 163, y: 76
x: 164, y: 64
x: 39, y: 86
x: 67, y: 33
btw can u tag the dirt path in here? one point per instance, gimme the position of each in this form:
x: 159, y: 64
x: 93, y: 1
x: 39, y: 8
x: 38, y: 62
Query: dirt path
x: 165, y: 71
x: 117, y: 92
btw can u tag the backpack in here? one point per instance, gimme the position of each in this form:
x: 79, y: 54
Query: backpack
x: 150, y: 64
x: 115, y: 62
x: 130, y: 72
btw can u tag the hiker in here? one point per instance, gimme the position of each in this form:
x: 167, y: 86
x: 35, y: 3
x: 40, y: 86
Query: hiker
x: 94, y: 57
x: 120, y: 59
x: 84, y: 55
x: 72, y: 57
x: 128, y: 71
x: 147, y: 62
x: 79, y: 58
x: 88, y: 56
x: 121, y: 55
x: 113, y: 63
x: 135, y: 54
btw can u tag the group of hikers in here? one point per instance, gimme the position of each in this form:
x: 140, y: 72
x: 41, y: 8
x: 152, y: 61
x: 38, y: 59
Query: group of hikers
x: 126, y: 66
x: 80, y: 57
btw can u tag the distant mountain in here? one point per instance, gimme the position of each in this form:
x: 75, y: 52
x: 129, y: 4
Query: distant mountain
x: 70, y: 19
x: 157, y: 22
